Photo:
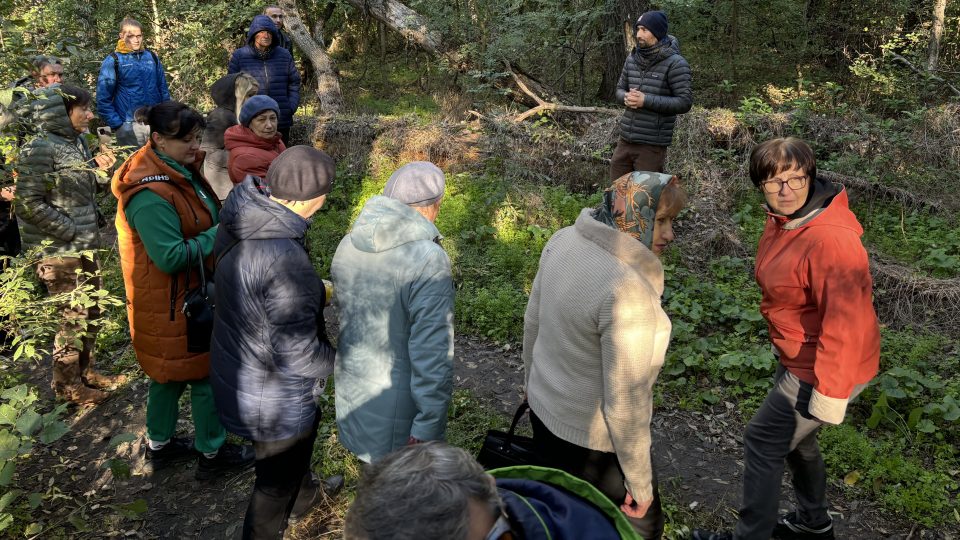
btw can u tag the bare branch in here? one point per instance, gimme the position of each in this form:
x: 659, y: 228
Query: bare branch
x: 921, y: 72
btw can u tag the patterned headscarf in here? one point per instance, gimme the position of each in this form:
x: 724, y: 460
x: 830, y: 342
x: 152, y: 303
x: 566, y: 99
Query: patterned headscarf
x: 630, y: 204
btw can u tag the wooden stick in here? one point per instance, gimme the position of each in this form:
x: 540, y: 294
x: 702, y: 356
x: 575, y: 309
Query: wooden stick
x: 543, y: 105
x: 923, y: 73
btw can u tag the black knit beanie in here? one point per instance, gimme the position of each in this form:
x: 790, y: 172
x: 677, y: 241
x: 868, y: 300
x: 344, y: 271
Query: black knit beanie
x: 655, y: 22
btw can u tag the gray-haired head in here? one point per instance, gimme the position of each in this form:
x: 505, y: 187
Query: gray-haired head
x: 419, y: 492
x: 418, y: 183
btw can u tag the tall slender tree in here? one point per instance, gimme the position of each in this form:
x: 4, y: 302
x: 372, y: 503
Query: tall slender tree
x: 936, y: 33
x: 617, y: 36
x: 328, y: 84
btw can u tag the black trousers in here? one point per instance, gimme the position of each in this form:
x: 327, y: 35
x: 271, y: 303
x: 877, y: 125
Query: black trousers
x: 601, y: 469
x: 283, y: 468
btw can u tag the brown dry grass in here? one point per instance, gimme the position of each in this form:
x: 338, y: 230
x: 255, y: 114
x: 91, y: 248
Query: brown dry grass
x: 908, y: 299
x: 367, y: 143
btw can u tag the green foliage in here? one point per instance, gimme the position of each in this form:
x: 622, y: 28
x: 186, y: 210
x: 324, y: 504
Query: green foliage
x: 22, y: 425
x: 892, y: 471
x: 719, y: 338
x: 929, y: 242
x: 493, y: 233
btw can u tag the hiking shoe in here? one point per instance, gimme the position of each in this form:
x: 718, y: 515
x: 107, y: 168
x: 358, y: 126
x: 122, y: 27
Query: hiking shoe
x: 229, y: 457
x: 104, y: 382
x: 80, y: 394
x: 790, y: 528
x: 700, y: 534
x: 178, y: 449
x: 311, y: 493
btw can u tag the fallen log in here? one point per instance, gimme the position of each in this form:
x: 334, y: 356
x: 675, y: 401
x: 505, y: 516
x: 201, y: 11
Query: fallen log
x: 896, y: 194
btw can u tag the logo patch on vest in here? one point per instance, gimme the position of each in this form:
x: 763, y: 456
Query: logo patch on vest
x: 154, y: 178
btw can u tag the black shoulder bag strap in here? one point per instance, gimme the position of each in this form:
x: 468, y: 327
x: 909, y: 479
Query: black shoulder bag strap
x: 516, y: 420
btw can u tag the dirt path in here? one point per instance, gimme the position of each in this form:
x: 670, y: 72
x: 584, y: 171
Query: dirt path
x: 698, y: 456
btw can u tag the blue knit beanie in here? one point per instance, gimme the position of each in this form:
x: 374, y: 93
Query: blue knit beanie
x: 256, y: 105
x: 655, y: 22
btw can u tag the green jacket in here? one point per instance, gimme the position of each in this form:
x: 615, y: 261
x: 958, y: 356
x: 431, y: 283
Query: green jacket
x: 394, y: 366
x: 56, y: 185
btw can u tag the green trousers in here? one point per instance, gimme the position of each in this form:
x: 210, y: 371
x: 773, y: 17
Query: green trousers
x: 163, y: 409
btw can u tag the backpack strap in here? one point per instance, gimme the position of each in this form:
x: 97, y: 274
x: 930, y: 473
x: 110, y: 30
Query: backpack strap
x: 116, y: 66
x: 116, y: 63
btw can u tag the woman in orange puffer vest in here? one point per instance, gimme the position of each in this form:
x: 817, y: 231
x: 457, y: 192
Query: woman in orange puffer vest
x: 166, y: 210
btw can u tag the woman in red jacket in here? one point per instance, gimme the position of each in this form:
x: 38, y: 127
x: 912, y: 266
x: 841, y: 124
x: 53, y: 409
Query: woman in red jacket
x: 817, y: 299
x: 255, y: 142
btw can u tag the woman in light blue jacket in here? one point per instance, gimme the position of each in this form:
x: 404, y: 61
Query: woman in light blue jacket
x: 392, y: 281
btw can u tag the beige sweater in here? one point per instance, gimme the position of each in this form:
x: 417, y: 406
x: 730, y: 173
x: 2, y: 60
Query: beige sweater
x: 594, y: 339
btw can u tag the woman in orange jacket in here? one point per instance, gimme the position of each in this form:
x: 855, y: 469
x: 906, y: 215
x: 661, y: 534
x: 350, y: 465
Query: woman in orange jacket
x: 817, y: 299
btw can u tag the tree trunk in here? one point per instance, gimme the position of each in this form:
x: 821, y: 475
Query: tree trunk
x: 734, y: 40
x: 406, y: 22
x: 936, y: 33
x: 618, y: 31
x: 415, y: 28
x: 328, y: 85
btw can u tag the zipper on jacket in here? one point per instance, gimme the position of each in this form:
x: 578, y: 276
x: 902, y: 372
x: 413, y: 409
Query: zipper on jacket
x: 266, y: 76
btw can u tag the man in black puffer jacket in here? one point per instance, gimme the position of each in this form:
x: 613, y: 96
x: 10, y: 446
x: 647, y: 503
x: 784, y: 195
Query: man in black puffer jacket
x: 269, y: 346
x: 655, y: 86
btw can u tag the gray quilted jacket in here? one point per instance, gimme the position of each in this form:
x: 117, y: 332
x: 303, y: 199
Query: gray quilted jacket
x: 664, y: 77
x: 56, y: 188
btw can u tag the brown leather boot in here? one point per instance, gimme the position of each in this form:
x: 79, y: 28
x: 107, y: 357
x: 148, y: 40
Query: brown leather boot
x: 104, y: 382
x: 81, y: 394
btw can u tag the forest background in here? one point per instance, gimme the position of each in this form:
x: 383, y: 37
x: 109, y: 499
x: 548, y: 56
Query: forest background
x: 513, y: 98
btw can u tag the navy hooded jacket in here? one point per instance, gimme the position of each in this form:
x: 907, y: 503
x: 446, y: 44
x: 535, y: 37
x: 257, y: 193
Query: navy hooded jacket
x: 274, y: 70
x: 269, y: 342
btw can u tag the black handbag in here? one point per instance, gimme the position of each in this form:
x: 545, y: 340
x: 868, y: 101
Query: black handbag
x: 198, y: 305
x: 508, y: 449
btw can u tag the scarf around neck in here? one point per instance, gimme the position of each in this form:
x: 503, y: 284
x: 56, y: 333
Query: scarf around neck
x: 647, y: 56
x: 123, y: 48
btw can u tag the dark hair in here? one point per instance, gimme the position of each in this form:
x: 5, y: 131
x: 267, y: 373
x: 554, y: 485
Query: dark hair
x: 41, y: 61
x: 74, y: 97
x: 130, y: 21
x: 673, y: 198
x: 171, y: 119
x: 777, y: 155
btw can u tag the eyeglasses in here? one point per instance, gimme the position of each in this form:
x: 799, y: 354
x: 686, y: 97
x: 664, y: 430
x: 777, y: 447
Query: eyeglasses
x: 500, y: 528
x: 774, y: 186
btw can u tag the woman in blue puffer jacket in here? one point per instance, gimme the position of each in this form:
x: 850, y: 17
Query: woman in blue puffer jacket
x: 273, y: 68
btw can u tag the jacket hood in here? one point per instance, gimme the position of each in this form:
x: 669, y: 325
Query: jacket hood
x: 241, y: 136
x: 385, y: 223
x: 259, y: 24
x: 539, y: 510
x: 250, y: 214
x: 49, y: 113
x: 833, y: 210
x: 223, y: 91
